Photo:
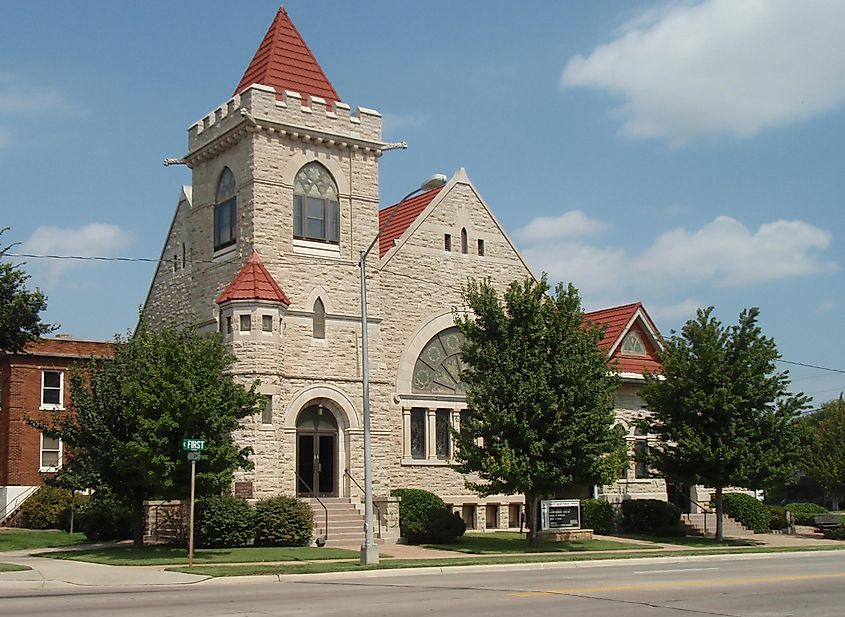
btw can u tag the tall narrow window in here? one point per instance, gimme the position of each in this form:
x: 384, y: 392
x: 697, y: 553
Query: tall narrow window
x: 52, y: 394
x: 316, y: 210
x: 246, y: 323
x: 464, y: 241
x: 51, y: 453
x: 319, y: 328
x: 480, y: 247
x: 267, y: 412
x: 441, y: 434
x: 266, y: 323
x: 641, y: 469
x: 447, y: 242
x: 225, y: 211
x: 418, y: 420
x: 621, y: 433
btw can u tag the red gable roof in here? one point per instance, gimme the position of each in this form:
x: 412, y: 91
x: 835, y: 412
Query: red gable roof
x: 410, y: 209
x: 616, y: 319
x: 253, y: 282
x: 284, y: 62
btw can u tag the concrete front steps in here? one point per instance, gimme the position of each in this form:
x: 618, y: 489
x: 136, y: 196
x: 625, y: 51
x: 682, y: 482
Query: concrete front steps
x: 694, y: 525
x: 345, y: 524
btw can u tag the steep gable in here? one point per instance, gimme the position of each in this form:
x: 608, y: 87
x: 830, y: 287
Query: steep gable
x: 619, y: 321
x: 406, y: 212
x: 283, y: 61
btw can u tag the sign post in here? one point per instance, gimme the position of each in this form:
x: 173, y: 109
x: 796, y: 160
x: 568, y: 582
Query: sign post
x: 193, y: 447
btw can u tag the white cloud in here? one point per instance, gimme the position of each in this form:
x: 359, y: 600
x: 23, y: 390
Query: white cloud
x: 723, y: 253
x: 570, y: 224
x: 720, y: 67
x: 679, y: 311
x: 91, y: 240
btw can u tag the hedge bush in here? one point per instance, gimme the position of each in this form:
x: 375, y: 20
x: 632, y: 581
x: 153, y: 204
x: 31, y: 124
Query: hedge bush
x: 747, y: 510
x: 597, y: 514
x: 777, y: 517
x: 837, y: 533
x: 423, y: 517
x: 651, y: 517
x: 106, y: 517
x: 224, y: 522
x: 44, y: 509
x: 803, y: 513
x: 283, y: 521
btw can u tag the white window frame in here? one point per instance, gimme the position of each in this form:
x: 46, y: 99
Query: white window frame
x: 61, y: 403
x: 429, y: 435
x: 47, y: 468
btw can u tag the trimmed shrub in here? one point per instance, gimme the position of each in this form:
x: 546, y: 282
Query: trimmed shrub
x: 597, y: 514
x: 837, y: 533
x: 224, y: 522
x: 777, y: 517
x: 44, y: 509
x: 107, y: 517
x: 651, y: 517
x: 283, y: 521
x: 747, y: 510
x: 423, y: 517
x: 803, y: 513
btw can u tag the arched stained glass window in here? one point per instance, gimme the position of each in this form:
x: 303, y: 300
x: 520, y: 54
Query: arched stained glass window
x: 316, y: 211
x: 225, y: 211
x: 438, y: 368
x: 633, y: 345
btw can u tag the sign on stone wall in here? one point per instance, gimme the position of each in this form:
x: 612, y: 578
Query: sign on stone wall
x: 243, y: 490
x: 560, y: 514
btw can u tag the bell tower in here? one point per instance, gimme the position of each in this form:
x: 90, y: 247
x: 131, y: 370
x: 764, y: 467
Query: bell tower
x: 287, y: 169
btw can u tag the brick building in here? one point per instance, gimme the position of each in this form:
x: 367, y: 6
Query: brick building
x: 32, y: 384
x: 264, y: 246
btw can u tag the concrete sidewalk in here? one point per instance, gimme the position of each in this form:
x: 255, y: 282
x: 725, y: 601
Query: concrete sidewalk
x: 50, y: 573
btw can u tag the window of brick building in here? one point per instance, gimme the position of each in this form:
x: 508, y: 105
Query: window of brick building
x: 318, y: 329
x: 316, y: 211
x: 225, y: 211
x: 51, y: 453
x: 246, y: 323
x: 267, y: 323
x: 52, y: 389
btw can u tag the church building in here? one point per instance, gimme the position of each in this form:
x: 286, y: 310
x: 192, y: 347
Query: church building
x: 264, y: 247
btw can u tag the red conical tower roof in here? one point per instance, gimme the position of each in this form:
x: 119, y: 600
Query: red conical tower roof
x: 253, y: 282
x: 284, y: 62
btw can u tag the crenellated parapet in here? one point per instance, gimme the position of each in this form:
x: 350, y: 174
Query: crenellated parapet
x: 261, y: 108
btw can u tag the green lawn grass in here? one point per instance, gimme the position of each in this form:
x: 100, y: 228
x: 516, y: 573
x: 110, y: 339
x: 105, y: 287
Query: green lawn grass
x: 695, y: 541
x: 168, y: 555
x: 514, y: 542
x: 13, y: 539
x: 13, y: 567
x: 347, y: 566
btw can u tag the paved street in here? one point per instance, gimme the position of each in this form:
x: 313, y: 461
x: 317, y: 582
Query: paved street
x: 811, y: 584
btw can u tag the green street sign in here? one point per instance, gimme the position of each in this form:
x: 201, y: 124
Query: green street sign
x: 193, y: 445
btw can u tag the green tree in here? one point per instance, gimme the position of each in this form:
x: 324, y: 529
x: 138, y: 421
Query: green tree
x: 128, y: 416
x: 20, y: 309
x: 827, y: 450
x: 539, y: 393
x: 721, y: 413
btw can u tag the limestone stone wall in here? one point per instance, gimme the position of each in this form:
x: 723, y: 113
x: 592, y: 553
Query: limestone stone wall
x: 421, y: 284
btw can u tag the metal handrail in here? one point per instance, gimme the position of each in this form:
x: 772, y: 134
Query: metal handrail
x: 17, y: 502
x: 705, y: 511
x: 320, y: 501
x: 375, y: 505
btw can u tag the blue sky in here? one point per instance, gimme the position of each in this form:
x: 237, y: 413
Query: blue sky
x: 682, y: 154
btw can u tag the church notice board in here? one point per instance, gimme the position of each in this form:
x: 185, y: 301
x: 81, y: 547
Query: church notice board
x: 560, y: 514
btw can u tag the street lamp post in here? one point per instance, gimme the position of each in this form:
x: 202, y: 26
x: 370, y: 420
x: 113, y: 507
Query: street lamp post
x: 369, y: 550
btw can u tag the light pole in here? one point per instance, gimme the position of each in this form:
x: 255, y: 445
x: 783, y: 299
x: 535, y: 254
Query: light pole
x: 369, y: 549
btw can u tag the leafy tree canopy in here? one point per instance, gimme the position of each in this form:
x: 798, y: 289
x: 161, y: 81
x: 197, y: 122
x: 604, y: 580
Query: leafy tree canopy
x: 128, y: 416
x: 721, y: 412
x: 539, y: 392
x: 827, y: 450
x: 20, y: 309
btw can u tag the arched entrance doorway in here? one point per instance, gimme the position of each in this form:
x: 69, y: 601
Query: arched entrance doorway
x: 316, y: 452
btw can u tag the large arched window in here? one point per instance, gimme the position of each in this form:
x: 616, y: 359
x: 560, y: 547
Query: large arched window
x: 316, y: 213
x: 438, y: 368
x: 225, y: 211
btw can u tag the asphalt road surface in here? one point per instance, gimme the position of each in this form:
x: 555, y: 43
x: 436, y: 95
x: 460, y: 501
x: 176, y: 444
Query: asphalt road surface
x: 806, y: 584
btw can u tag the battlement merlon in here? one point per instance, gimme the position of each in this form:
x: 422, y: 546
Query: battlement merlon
x: 259, y: 108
